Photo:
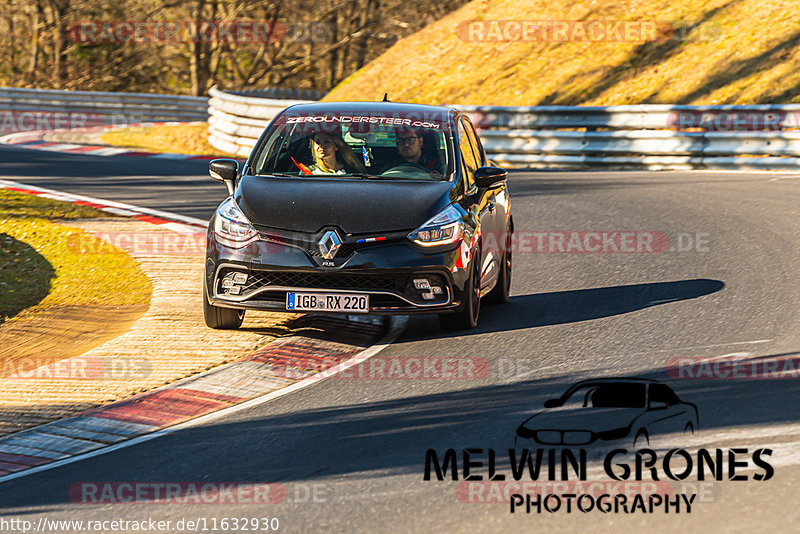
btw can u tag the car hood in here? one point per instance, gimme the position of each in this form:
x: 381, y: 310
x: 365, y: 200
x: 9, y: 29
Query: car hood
x: 591, y: 419
x: 356, y: 206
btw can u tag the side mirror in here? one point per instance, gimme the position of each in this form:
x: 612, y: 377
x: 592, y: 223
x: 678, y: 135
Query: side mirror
x: 657, y: 405
x: 224, y: 170
x: 489, y: 177
x: 552, y: 403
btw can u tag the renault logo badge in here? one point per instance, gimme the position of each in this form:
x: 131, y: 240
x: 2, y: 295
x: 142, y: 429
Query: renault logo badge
x: 329, y: 244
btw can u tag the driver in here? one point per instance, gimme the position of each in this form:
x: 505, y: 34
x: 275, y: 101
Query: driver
x: 411, y: 149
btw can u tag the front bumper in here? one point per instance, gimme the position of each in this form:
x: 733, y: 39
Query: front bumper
x: 384, y: 271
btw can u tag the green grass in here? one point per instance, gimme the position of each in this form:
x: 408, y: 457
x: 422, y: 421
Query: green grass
x: 43, y: 264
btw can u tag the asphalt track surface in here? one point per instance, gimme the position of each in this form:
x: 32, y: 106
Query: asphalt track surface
x: 351, y: 452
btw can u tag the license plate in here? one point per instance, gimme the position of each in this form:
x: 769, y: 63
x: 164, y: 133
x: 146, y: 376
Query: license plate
x: 330, y: 302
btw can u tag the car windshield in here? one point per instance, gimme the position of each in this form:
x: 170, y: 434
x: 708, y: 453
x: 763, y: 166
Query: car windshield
x: 373, y: 145
x: 608, y: 396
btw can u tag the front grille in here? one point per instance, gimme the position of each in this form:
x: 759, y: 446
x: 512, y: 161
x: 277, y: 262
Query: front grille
x: 312, y: 280
x: 258, y: 281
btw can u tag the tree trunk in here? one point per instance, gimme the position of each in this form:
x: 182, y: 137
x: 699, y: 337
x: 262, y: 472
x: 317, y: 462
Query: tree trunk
x: 36, y: 24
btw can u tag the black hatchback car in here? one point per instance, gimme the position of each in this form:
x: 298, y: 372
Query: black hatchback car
x: 360, y: 207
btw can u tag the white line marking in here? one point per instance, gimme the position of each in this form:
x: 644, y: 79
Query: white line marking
x: 398, y: 325
x: 712, y: 346
x: 535, y: 371
x: 106, y: 152
x: 116, y: 211
x: 61, y: 147
x: 111, y: 203
x: 710, y: 358
x: 694, y: 347
x: 171, y: 156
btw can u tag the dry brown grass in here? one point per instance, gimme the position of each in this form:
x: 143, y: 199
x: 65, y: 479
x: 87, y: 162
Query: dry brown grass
x: 733, y: 52
x: 188, y: 138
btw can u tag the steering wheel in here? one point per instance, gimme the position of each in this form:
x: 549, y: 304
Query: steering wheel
x: 403, y: 168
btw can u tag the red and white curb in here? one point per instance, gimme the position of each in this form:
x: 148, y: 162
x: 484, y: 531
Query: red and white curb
x: 35, y: 140
x: 170, y: 221
x: 281, y: 367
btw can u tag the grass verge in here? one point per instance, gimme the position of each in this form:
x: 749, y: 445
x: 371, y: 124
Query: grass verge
x: 43, y: 264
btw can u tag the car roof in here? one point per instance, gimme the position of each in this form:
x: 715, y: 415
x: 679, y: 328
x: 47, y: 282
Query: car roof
x: 618, y: 380
x: 385, y: 107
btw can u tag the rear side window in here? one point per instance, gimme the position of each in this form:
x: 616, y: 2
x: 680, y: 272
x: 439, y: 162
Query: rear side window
x: 662, y: 393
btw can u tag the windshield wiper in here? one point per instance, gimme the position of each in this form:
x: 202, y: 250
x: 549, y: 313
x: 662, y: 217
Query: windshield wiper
x: 365, y: 176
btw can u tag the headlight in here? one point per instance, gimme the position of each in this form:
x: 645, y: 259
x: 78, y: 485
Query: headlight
x: 231, y: 226
x: 444, y: 228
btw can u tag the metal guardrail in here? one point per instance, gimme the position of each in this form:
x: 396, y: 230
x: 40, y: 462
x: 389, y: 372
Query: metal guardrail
x: 120, y: 108
x: 655, y: 149
x: 639, y: 136
x: 631, y: 117
x: 236, y: 120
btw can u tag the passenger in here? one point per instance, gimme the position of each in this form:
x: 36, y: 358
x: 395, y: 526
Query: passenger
x: 333, y: 156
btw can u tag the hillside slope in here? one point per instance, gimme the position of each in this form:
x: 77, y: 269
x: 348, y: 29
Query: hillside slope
x: 702, y: 52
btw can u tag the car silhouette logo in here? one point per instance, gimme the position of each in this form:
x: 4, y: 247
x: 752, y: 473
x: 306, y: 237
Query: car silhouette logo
x: 609, y: 410
x: 329, y: 244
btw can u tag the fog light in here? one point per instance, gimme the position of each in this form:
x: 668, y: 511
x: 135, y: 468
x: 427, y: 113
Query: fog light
x: 227, y: 283
x: 436, y: 290
x: 422, y: 284
x: 235, y: 290
x: 428, y: 296
x: 239, y: 278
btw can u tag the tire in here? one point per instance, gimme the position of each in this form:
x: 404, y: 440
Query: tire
x: 641, y: 439
x: 500, y: 292
x: 466, y: 317
x: 220, y: 318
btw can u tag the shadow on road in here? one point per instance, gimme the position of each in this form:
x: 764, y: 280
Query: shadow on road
x: 562, y: 307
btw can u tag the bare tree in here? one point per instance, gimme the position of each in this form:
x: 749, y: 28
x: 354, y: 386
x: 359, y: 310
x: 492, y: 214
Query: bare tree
x: 312, y: 44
